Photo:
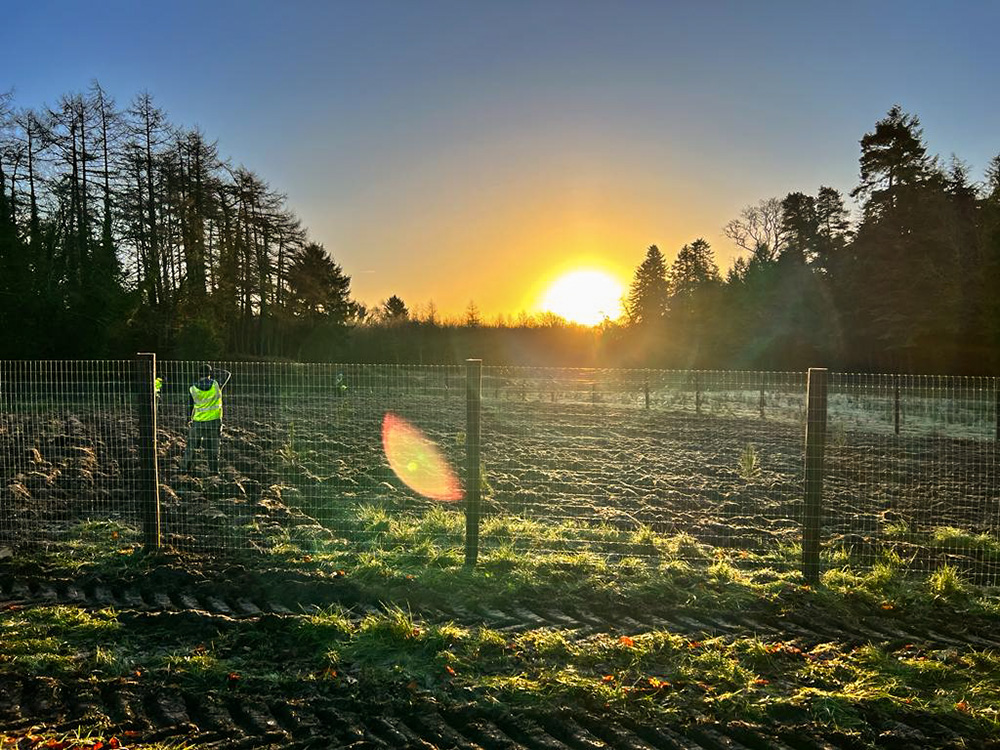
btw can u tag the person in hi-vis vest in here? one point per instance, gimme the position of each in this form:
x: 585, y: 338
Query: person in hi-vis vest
x: 206, y: 416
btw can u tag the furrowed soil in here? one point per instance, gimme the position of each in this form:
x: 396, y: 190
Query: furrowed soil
x: 298, y: 469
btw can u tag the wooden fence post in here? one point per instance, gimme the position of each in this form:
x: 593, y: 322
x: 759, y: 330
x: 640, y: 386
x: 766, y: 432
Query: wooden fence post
x: 646, y: 388
x: 763, y: 377
x: 816, y: 386
x: 473, y: 411
x: 697, y: 395
x: 149, y: 473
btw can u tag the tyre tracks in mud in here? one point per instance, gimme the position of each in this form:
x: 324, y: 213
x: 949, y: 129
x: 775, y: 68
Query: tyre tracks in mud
x: 181, y: 594
x: 242, y: 719
x: 219, y: 720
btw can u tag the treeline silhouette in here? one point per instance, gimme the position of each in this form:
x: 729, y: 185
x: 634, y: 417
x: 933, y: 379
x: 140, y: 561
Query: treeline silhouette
x: 120, y: 231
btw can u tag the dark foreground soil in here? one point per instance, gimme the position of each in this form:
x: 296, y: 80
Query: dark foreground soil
x: 355, y: 714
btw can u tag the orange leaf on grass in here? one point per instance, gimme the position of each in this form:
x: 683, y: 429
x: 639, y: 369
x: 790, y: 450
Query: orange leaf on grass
x: 626, y: 641
x: 608, y: 678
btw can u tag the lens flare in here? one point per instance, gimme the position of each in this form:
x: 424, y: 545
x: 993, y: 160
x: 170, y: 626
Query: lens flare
x: 417, y: 461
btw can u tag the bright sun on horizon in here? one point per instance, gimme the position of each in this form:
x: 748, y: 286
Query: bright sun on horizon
x: 584, y: 296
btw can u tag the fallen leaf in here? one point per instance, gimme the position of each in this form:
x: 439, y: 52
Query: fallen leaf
x: 449, y: 670
x: 608, y: 678
x: 626, y: 641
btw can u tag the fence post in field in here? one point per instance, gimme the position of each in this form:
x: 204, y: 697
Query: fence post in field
x: 697, y: 395
x: 996, y: 410
x: 895, y: 384
x: 646, y: 388
x: 763, y: 377
x: 473, y: 402
x: 149, y: 473
x: 815, y: 446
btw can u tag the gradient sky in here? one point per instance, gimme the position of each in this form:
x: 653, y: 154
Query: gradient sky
x: 457, y: 151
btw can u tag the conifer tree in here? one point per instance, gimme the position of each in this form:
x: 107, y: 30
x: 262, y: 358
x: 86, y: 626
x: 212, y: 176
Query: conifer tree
x: 648, y: 294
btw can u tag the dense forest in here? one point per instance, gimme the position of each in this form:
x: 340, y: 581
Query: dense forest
x: 120, y: 232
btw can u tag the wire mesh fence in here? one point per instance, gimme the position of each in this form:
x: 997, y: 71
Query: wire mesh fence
x: 302, y: 461
x: 911, y: 473
x: 616, y: 461
x: 68, y: 450
x: 620, y: 463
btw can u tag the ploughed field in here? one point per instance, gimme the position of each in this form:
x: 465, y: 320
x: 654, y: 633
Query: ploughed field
x: 304, y: 465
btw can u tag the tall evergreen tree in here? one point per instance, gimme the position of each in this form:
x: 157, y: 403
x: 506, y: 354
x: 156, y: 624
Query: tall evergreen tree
x: 394, y: 310
x: 893, y: 158
x: 832, y: 229
x: 648, y: 294
x: 799, y: 225
x: 318, y: 286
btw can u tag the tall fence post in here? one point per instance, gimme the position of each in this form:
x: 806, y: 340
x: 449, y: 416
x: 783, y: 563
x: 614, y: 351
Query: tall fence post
x: 473, y: 402
x: 646, y: 389
x: 816, y: 387
x: 149, y: 474
x: 697, y: 395
x: 763, y: 377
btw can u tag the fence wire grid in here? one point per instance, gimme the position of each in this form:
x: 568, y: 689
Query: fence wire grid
x: 622, y: 463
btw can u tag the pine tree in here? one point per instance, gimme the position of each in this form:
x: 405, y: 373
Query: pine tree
x: 394, y: 310
x: 800, y: 226
x: 318, y: 286
x: 893, y: 158
x: 648, y: 294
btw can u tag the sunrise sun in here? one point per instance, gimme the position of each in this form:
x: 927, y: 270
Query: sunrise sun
x: 584, y: 296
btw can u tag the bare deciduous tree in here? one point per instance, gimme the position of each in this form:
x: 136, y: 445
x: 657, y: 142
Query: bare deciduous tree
x: 758, y: 226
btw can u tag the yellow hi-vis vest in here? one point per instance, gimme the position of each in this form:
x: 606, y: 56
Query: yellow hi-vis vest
x: 207, y: 404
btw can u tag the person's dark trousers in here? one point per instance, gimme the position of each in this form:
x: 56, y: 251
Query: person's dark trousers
x: 205, y: 434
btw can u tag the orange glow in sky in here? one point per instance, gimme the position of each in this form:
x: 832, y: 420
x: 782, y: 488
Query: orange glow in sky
x: 585, y: 296
x: 417, y: 461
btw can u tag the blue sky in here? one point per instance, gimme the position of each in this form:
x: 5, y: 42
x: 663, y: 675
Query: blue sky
x: 468, y: 150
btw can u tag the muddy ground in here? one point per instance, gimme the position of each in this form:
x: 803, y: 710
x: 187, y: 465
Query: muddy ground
x: 352, y: 713
x: 300, y: 467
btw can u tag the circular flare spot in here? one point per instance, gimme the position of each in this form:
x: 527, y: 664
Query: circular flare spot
x: 417, y: 461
